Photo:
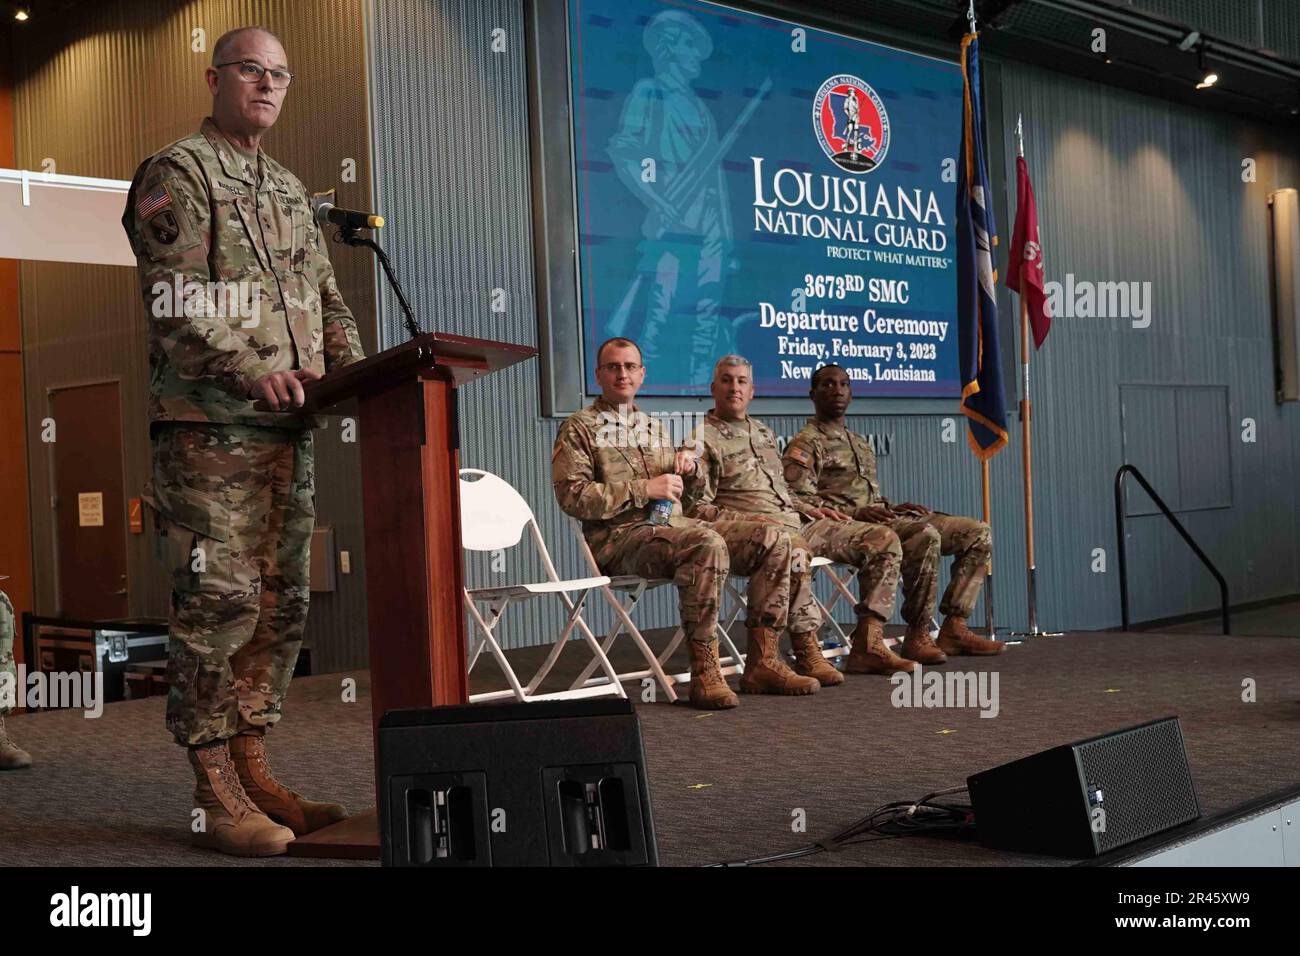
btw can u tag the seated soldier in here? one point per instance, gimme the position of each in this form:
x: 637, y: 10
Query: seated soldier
x: 610, y: 466
x: 739, y: 476
x: 828, y: 466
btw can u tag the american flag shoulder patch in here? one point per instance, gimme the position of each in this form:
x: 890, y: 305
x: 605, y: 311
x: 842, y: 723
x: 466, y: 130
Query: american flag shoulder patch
x: 153, y: 202
x: 798, y: 454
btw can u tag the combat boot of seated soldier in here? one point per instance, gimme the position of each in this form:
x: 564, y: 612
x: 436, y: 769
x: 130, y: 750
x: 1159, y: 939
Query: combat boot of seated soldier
x: 611, y: 463
x: 739, y: 476
x: 828, y: 466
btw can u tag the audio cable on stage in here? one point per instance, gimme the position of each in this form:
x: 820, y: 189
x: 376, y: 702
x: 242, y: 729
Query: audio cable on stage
x: 889, y: 821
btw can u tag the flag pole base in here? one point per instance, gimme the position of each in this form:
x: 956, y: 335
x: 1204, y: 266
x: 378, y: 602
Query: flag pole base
x: 1005, y: 635
x: 1032, y: 591
x: 989, y: 628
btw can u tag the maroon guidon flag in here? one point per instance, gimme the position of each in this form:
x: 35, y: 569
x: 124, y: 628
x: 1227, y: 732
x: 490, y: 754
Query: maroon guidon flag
x: 1025, y: 268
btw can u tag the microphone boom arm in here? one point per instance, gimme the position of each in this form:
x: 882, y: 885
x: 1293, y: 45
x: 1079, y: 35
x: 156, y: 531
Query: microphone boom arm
x: 351, y: 237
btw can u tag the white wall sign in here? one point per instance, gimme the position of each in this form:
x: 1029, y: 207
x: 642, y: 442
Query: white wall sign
x: 90, y: 509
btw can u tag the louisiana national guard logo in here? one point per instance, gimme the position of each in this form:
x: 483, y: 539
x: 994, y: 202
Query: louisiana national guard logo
x: 851, y: 124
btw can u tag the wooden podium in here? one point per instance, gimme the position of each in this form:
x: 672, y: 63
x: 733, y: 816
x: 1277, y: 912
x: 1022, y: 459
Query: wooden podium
x: 405, y: 403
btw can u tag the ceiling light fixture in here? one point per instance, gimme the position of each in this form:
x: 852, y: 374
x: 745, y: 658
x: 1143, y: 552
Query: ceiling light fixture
x: 22, y: 15
x: 1208, y: 77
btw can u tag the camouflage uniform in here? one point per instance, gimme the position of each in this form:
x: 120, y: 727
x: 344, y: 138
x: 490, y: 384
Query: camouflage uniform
x: 603, y: 457
x: 233, y: 486
x: 7, y: 667
x: 739, y: 474
x: 830, y: 466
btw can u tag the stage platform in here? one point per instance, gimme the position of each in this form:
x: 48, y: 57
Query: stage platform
x: 115, y: 792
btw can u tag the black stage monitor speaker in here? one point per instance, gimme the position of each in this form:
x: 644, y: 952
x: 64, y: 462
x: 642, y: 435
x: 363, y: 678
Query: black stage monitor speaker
x: 551, y: 783
x: 1086, y: 798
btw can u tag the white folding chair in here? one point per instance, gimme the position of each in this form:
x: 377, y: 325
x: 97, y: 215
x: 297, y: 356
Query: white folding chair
x: 732, y: 662
x: 739, y: 604
x: 635, y: 587
x: 493, y: 518
x: 840, y: 590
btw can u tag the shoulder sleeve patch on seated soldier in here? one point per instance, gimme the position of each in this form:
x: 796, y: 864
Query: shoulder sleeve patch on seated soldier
x: 798, y: 454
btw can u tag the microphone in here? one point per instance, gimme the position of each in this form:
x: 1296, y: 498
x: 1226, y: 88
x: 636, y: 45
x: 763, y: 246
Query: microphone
x: 327, y: 213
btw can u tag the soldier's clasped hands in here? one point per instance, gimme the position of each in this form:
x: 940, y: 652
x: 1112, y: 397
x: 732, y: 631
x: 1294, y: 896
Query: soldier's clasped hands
x: 283, y: 390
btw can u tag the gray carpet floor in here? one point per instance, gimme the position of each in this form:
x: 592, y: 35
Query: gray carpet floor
x: 114, y: 791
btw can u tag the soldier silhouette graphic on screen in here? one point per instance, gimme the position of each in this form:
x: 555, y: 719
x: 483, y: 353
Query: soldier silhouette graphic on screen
x: 672, y: 305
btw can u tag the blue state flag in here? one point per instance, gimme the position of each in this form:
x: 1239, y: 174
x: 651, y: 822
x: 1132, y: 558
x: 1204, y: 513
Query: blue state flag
x: 983, y: 401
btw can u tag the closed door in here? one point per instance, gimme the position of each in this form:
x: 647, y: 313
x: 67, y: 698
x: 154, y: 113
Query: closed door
x: 89, y: 504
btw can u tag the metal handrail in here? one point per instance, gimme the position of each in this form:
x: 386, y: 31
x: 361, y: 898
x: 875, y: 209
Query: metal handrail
x: 1178, y: 526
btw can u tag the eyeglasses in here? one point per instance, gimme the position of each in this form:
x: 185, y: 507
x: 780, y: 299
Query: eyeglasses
x: 615, y: 367
x: 251, y: 72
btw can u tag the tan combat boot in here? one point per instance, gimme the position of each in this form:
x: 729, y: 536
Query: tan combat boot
x: 248, y: 751
x: 233, y: 824
x: 956, y: 638
x: 919, y: 646
x: 12, y: 757
x: 709, y: 690
x: 870, y: 653
x: 766, y: 673
x: 809, y: 662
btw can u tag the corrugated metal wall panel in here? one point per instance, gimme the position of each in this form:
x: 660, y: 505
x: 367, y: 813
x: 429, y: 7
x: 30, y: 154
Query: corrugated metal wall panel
x: 1150, y: 420
x: 1282, y: 27
x: 1204, y: 452
x: 100, y: 93
x: 1133, y: 189
x: 1128, y: 188
x: 451, y: 173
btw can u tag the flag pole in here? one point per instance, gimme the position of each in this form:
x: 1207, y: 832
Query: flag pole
x: 988, y: 572
x: 984, y: 463
x: 1026, y: 418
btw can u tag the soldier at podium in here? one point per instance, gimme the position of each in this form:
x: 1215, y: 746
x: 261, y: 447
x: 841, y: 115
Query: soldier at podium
x: 611, y: 465
x: 243, y: 307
